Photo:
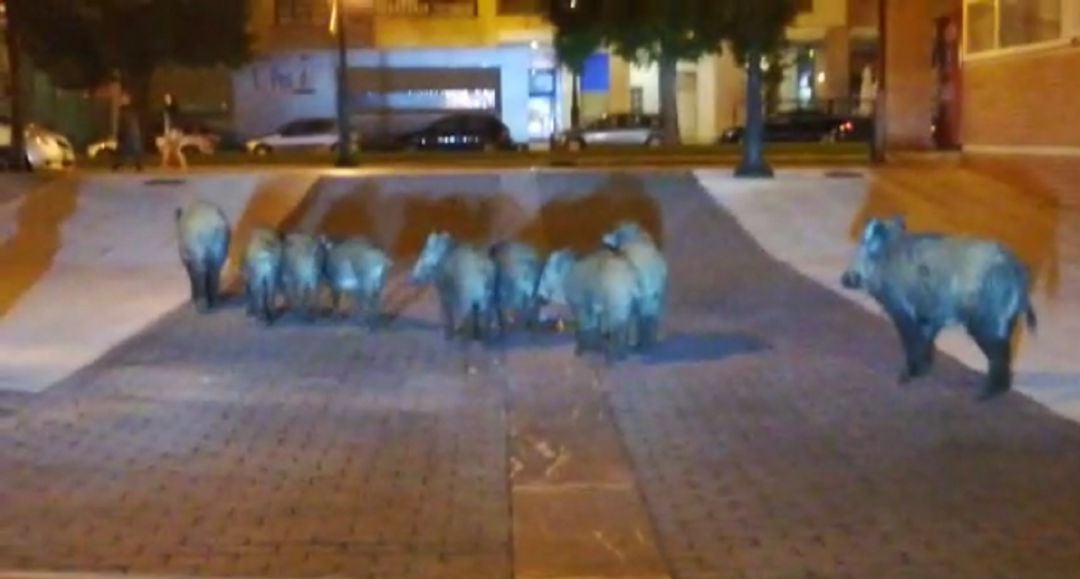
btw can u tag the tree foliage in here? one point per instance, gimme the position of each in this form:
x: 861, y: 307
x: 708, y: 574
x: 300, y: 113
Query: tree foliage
x: 758, y: 26
x: 83, y: 43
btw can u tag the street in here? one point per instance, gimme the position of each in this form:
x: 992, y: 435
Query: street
x: 765, y: 438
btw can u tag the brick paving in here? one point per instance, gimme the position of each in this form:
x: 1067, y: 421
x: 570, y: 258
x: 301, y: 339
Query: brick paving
x: 766, y: 439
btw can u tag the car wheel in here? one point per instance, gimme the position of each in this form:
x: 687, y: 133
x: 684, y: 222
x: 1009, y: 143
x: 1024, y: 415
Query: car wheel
x: 653, y: 142
x: 575, y: 145
x: 262, y: 150
x: 828, y: 138
x: 489, y: 147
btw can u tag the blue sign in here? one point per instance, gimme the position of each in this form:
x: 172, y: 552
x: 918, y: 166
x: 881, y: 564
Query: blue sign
x: 596, y: 76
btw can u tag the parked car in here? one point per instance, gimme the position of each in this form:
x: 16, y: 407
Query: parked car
x: 799, y: 126
x: 856, y: 129
x: 615, y: 129
x: 300, y: 134
x: 458, y: 132
x: 45, y: 149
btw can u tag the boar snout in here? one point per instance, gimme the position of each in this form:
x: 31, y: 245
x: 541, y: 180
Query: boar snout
x: 851, y: 280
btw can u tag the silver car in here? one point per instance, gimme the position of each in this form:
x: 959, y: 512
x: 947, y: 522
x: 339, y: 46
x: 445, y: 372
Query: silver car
x: 45, y: 149
x: 620, y: 129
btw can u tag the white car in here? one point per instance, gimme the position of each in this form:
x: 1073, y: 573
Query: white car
x: 302, y: 134
x: 45, y: 149
x: 189, y: 143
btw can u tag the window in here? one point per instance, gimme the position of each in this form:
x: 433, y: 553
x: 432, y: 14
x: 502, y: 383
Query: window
x: 804, y: 6
x: 997, y: 24
x: 301, y: 12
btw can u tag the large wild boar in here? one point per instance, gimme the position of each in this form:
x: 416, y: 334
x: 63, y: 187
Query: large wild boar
x: 603, y: 293
x: 464, y: 277
x: 638, y: 246
x: 302, y: 267
x: 203, y: 233
x: 928, y: 282
x: 358, y: 268
x: 517, y: 273
x: 262, y: 273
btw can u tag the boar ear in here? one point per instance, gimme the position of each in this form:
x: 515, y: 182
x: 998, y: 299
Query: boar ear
x: 873, y: 228
x: 897, y: 223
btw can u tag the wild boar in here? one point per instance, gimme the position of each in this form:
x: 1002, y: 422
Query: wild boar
x: 358, y: 268
x: 638, y: 246
x: 603, y: 293
x: 303, y: 258
x: 262, y: 272
x: 517, y: 273
x: 929, y: 282
x: 203, y: 234
x: 464, y: 277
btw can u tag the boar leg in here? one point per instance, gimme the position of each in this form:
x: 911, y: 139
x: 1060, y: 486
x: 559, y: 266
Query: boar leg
x: 998, y: 352
x: 213, y: 283
x: 198, y: 287
x: 254, y: 299
x: 447, y: 307
x: 914, y: 343
x: 265, y: 305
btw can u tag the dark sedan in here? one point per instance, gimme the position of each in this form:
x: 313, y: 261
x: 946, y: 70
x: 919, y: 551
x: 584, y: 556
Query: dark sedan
x: 803, y: 126
x: 456, y: 132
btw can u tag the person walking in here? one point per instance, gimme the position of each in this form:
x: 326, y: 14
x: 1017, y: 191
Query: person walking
x: 129, y: 145
x: 172, y: 135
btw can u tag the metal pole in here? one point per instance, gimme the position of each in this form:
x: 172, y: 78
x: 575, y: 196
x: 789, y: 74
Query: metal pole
x: 877, y: 148
x: 344, y: 148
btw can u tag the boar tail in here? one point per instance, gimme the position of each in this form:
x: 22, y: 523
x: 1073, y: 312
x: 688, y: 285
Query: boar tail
x: 1030, y: 318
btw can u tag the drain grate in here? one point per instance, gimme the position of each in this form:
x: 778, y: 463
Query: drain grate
x: 843, y: 175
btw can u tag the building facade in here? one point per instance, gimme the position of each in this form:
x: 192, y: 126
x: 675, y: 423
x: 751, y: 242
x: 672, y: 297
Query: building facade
x: 409, y: 59
x: 1019, y: 64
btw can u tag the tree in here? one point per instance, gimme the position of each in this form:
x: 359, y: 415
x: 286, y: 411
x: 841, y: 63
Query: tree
x: 573, y: 49
x: 17, y: 160
x: 756, y: 28
x: 82, y: 44
x: 665, y: 32
x: 578, y: 35
x: 652, y: 31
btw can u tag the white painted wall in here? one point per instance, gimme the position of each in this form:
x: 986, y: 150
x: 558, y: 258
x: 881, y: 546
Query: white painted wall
x: 260, y: 110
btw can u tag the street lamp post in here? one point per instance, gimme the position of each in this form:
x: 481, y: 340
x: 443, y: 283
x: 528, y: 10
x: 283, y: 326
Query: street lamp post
x: 344, y: 145
x: 877, y: 148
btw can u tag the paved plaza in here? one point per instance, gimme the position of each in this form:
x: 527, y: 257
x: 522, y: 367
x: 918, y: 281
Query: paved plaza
x: 766, y: 437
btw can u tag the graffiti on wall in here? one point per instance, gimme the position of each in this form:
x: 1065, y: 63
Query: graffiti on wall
x: 283, y: 76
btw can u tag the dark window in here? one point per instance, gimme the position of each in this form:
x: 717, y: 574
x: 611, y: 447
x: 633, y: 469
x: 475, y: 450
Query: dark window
x: 802, y: 6
x: 447, y: 125
x: 522, y: 6
x: 322, y: 126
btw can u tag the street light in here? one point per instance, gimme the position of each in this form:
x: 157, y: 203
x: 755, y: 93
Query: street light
x: 337, y: 28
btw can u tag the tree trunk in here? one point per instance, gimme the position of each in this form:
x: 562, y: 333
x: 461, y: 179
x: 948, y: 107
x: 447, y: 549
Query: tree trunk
x: 344, y: 145
x: 575, y: 101
x: 669, y: 100
x: 753, y: 163
x: 17, y: 161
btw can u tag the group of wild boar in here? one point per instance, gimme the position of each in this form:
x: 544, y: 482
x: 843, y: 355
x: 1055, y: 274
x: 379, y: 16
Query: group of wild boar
x: 616, y: 293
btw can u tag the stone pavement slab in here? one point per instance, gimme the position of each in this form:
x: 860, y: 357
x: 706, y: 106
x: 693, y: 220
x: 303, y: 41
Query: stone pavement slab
x: 765, y: 438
